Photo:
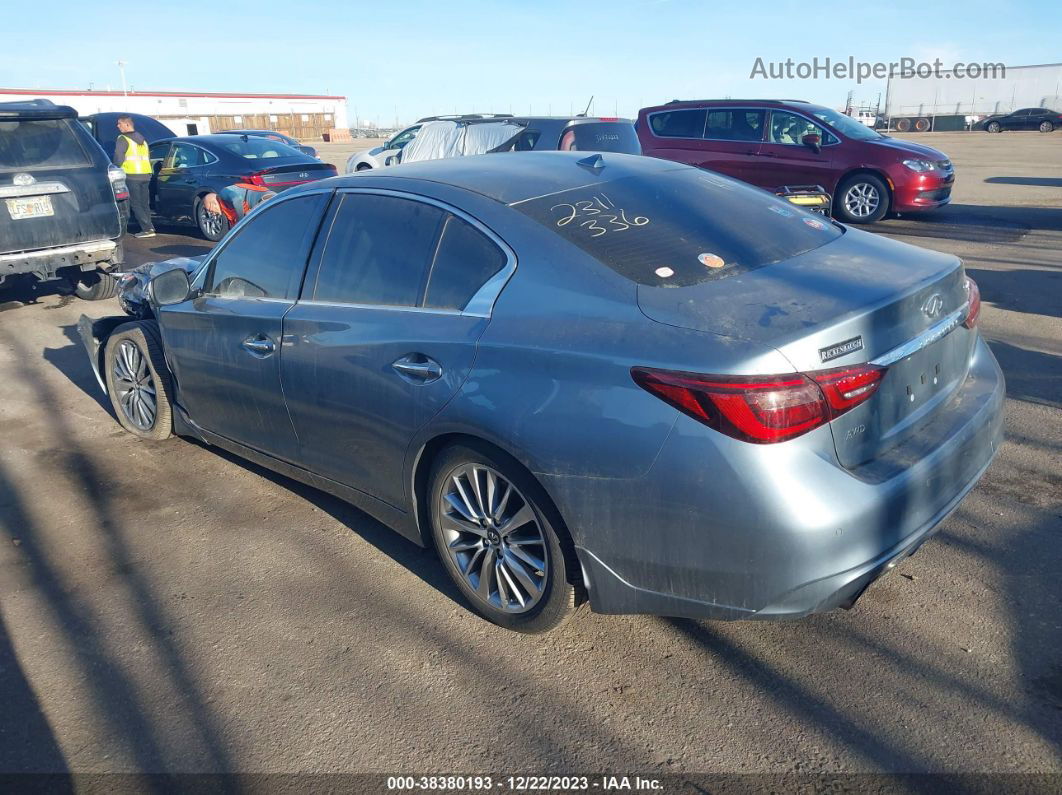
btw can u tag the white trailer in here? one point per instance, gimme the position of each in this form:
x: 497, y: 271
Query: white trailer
x: 951, y: 101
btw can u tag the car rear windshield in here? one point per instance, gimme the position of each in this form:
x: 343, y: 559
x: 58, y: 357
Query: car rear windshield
x: 40, y: 143
x: 602, y: 136
x: 679, y: 228
x: 256, y: 148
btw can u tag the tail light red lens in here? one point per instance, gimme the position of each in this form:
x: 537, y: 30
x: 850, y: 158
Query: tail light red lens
x: 118, y: 183
x: 973, y: 295
x: 763, y: 409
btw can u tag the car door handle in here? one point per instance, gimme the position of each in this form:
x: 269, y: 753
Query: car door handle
x: 418, y: 368
x: 259, y: 345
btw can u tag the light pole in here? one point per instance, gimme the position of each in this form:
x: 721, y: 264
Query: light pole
x: 121, y: 68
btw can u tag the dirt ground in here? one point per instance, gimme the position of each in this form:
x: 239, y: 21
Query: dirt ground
x: 167, y: 607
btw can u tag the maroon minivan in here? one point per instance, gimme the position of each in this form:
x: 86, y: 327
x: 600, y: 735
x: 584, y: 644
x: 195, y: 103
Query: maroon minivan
x: 775, y: 143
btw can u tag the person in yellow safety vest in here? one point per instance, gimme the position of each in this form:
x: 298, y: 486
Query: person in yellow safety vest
x: 131, y: 155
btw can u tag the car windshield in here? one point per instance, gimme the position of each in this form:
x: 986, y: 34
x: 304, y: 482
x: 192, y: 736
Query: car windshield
x: 679, y: 228
x: 255, y: 148
x: 40, y: 143
x: 845, y: 125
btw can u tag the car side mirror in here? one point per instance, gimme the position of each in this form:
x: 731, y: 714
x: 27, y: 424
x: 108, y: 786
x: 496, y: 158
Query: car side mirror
x: 170, y: 287
x: 813, y: 142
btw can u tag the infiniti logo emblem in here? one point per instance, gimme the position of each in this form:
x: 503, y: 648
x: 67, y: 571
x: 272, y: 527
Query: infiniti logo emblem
x: 933, y: 305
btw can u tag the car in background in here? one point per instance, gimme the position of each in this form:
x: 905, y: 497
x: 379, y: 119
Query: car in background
x: 771, y: 143
x: 59, y: 195
x: 186, y: 169
x: 273, y: 135
x: 599, y: 377
x: 1043, y: 119
x: 104, y: 128
x: 379, y: 156
x: 541, y: 133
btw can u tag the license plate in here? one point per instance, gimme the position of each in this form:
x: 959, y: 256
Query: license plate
x: 37, y: 207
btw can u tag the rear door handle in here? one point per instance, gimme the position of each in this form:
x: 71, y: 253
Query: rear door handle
x: 259, y: 345
x: 418, y: 368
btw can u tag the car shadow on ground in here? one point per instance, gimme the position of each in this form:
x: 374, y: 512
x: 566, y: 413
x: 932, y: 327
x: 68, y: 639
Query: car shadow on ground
x: 1034, y: 292
x: 421, y: 561
x: 1033, y: 376
x: 72, y: 361
x: 972, y: 223
x: 1041, y: 182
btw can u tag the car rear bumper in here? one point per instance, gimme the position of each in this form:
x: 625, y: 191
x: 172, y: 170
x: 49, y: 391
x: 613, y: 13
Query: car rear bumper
x: 775, y: 533
x: 44, y: 263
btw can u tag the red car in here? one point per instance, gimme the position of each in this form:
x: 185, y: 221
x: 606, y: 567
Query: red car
x: 774, y: 143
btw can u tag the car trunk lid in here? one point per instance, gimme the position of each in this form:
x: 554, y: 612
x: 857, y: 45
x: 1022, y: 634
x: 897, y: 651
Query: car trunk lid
x: 862, y: 298
x: 287, y: 174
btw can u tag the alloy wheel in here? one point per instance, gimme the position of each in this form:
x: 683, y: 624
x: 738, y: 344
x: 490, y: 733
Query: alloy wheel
x: 134, y: 386
x: 211, y: 224
x: 862, y: 200
x: 493, y: 538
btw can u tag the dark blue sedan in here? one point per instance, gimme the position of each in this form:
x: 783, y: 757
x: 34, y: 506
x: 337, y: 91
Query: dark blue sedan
x: 187, y: 169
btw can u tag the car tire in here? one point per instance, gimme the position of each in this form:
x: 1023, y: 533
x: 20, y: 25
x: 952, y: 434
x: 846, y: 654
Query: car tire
x: 95, y: 286
x: 994, y: 127
x: 861, y: 199
x: 138, y: 381
x: 903, y: 125
x: 922, y: 125
x: 212, y: 227
x: 528, y: 587
x: 1046, y: 127
x: 363, y: 167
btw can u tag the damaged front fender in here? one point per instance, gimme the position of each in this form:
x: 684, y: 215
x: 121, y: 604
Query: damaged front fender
x: 94, y: 334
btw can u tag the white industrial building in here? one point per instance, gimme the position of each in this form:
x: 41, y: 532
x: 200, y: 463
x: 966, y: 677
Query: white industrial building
x: 305, y: 116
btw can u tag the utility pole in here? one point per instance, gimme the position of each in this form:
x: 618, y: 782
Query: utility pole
x: 121, y: 68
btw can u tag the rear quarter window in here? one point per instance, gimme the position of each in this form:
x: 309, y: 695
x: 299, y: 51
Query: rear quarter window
x: 681, y: 227
x: 41, y: 143
x: 678, y: 123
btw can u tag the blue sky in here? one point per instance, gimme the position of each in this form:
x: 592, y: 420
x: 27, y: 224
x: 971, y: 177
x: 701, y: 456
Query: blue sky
x: 413, y: 58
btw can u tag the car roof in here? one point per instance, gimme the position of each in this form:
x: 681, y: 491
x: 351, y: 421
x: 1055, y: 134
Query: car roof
x: 243, y: 131
x: 37, y: 108
x: 512, y: 177
x: 218, y: 139
x: 696, y: 103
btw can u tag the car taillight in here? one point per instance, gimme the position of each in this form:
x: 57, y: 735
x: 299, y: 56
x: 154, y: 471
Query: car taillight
x: 973, y: 296
x: 763, y: 409
x: 118, y: 184
x: 257, y: 179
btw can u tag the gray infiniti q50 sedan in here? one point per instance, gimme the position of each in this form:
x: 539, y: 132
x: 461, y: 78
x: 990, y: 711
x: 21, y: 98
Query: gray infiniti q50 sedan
x: 607, y: 378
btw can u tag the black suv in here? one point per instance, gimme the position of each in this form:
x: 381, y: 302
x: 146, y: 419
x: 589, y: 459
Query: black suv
x: 59, y: 191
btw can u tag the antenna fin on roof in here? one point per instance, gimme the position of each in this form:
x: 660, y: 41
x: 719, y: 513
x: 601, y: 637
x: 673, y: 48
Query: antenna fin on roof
x: 595, y: 162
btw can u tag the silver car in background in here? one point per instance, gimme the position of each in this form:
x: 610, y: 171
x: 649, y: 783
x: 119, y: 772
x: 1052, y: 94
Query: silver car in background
x: 539, y: 133
x: 606, y: 378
